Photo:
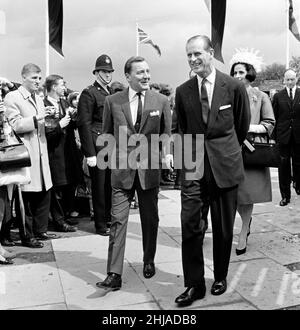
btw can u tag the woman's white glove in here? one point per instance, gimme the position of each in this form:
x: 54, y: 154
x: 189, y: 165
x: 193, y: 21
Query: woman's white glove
x: 91, y: 161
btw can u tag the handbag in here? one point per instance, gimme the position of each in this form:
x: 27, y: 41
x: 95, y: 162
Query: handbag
x: 261, y: 154
x: 15, y: 176
x: 14, y: 156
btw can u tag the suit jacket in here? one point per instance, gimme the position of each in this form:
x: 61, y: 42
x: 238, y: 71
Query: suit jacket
x: 227, y: 126
x: 20, y: 110
x: 64, y: 156
x: 156, y: 119
x: 287, y: 116
x: 89, y: 117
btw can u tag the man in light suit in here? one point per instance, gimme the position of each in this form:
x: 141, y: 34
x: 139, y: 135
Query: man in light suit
x: 286, y: 105
x: 215, y: 107
x: 136, y: 111
x: 25, y: 112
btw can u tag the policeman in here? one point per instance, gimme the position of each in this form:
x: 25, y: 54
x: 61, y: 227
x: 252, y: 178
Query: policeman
x: 89, y: 121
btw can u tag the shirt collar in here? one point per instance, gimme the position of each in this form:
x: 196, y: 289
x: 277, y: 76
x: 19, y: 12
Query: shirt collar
x: 52, y: 100
x: 293, y: 89
x: 132, y: 93
x: 24, y: 91
x: 105, y: 87
x: 211, y: 78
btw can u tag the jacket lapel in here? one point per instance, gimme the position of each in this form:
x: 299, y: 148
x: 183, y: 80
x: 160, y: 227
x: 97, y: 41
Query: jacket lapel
x: 218, y: 96
x: 26, y: 95
x: 148, y: 105
x: 126, y: 109
x: 297, y: 96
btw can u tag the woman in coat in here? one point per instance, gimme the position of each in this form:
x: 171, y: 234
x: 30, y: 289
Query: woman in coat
x: 256, y: 187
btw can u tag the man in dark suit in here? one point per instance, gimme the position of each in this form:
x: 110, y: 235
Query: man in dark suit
x: 89, y: 122
x: 214, y: 109
x: 130, y: 114
x: 64, y: 159
x: 286, y: 105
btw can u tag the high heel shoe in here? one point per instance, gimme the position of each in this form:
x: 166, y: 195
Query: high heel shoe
x: 242, y: 251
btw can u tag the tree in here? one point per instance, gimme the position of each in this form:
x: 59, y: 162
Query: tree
x: 273, y: 71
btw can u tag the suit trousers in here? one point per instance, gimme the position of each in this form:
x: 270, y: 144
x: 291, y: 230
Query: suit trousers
x: 289, y: 152
x: 37, y: 207
x: 148, y: 207
x: 101, y: 196
x: 62, y: 203
x: 195, y: 197
x: 5, y: 213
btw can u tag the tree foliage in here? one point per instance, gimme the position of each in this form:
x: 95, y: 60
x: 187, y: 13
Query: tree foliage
x: 273, y: 71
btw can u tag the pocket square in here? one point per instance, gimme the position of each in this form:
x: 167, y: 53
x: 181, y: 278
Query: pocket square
x: 154, y: 113
x: 223, y: 107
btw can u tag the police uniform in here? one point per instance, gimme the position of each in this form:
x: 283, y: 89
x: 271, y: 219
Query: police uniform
x: 89, y: 122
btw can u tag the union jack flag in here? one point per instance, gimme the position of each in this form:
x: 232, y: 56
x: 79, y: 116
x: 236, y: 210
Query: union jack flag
x: 292, y: 22
x: 145, y: 39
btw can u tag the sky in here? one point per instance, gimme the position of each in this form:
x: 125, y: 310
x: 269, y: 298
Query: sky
x: 95, y: 27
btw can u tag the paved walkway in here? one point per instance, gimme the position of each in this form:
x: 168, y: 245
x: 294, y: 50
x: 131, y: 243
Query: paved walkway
x: 62, y: 275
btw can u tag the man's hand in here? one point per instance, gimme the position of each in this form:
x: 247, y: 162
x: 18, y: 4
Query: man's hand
x: 169, y: 161
x: 91, y: 161
x: 5, y: 82
x: 40, y: 117
x: 64, y: 122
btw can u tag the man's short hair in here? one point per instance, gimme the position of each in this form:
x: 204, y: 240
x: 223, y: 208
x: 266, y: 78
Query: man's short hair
x: 29, y: 68
x: 155, y: 86
x: 133, y: 59
x: 51, y: 81
x: 203, y: 37
x: 290, y: 69
x: 251, y: 72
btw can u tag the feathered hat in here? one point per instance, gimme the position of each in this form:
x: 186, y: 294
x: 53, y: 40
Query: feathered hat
x: 250, y: 56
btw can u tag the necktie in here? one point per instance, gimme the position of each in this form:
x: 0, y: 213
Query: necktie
x: 33, y: 97
x: 291, y: 94
x: 204, y: 102
x: 139, y: 112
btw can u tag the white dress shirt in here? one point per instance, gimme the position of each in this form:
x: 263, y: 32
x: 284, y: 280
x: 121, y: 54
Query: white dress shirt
x: 209, y: 84
x: 53, y: 101
x: 134, y: 102
x: 293, y: 91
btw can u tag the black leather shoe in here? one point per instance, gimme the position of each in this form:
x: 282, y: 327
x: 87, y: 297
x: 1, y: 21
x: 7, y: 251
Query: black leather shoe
x: 219, y: 287
x: 33, y: 243
x: 45, y: 236
x: 149, y: 270
x: 284, y: 201
x: 102, y: 232
x: 4, y: 261
x: 7, y: 242
x: 113, y: 281
x: 65, y: 228
x: 190, y: 295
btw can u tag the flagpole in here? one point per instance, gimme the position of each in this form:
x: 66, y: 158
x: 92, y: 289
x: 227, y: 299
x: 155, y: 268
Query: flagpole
x: 137, y: 38
x: 47, y: 41
x: 287, y: 35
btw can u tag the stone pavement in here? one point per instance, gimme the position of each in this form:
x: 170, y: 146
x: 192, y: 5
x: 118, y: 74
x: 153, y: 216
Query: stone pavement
x: 62, y: 275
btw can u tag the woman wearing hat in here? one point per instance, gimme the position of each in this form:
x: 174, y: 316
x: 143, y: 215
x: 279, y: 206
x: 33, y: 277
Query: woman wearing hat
x: 256, y: 187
